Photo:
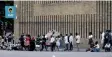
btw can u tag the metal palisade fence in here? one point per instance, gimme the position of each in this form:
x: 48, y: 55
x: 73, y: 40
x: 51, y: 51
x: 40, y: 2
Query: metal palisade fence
x: 66, y: 23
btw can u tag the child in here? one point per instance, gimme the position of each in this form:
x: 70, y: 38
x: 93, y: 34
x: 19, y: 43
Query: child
x: 97, y: 46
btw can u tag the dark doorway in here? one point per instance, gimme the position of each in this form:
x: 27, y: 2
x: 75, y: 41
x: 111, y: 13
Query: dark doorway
x: 6, y: 24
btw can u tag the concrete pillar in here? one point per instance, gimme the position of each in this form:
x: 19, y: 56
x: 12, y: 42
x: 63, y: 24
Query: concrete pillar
x: 16, y: 21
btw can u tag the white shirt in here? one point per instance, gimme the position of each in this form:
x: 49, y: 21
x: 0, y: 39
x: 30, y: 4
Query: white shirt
x: 2, y: 40
x: 66, y: 39
x: 102, y: 36
x: 52, y: 40
x: 71, y: 39
x: 97, y: 46
x: 78, y: 39
x: 90, y: 36
x: 107, y: 45
x: 58, y: 42
x: 0, y: 37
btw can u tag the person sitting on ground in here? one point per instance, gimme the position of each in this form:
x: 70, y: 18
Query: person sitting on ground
x: 88, y: 50
x: 97, y: 47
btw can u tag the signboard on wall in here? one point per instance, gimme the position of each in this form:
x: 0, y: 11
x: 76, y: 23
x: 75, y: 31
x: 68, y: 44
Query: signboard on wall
x: 10, y: 12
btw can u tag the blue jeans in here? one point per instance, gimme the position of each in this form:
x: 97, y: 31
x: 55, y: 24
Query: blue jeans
x: 96, y: 50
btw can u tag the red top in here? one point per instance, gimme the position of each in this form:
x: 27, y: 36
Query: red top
x: 33, y: 38
x: 27, y: 39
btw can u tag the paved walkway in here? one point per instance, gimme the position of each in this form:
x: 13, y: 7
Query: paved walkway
x: 53, y: 54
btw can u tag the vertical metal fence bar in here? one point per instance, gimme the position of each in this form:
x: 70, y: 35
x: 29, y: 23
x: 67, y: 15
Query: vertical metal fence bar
x: 26, y: 18
x: 76, y: 23
x: 86, y: 26
x: 73, y: 30
x: 65, y: 22
x: 107, y: 14
x: 68, y: 25
x: 39, y: 25
x: 110, y: 14
x: 83, y: 26
x: 58, y: 22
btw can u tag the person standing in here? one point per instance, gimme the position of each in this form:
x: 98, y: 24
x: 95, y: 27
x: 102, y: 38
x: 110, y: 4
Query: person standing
x: 102, y: 37
x: 66, y: 39
x: 77, y: 40
x: 27, y: 42
x: 71, y: 41
x: 43, y: 43
x: 107, y: 38
x: 10, y: 38
x: 38, y: 39
x: 53, y: 43
x: 32, y: 44
x: 107, y: 47
x: 58, y: 42
x: 21, y: 39
x: 90, y: 40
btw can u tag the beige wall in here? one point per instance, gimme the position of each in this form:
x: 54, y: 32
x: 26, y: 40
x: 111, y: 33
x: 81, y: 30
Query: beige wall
x: 65, y: 8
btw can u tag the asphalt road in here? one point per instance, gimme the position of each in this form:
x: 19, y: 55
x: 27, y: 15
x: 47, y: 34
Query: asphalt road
x: 53, y: 54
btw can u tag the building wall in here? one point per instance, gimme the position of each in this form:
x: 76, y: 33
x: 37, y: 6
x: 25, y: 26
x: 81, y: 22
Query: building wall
x: 64, y: 16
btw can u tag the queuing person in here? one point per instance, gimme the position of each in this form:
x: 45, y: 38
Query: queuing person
x: 77, y: 41
x: 62, y: 41
x: 58, y: 42
x: 107, y: 38
x: 22, y: 41
x: 32, y: 44
x: 107, y: 47
x: 27, y: 42
x: 43, y: 43
x: 38, y: 39
x: 102, y: 37
x: 2, y: 40
x: 53, y: 43
x: 66, y: 39
x: 10, y: 39
x: 71, y: 41
x: 90, y: 40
